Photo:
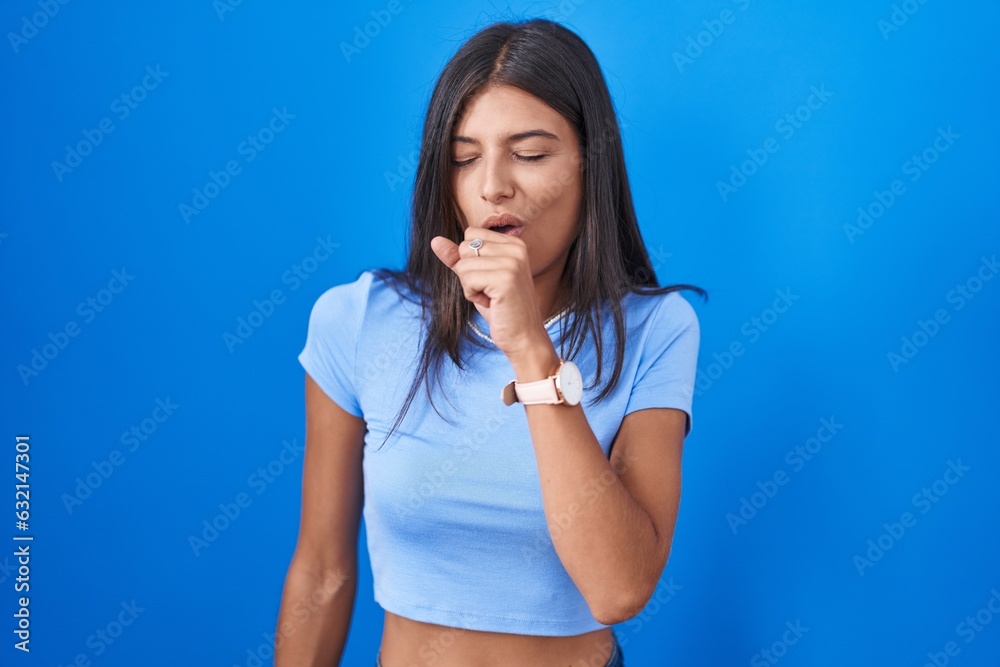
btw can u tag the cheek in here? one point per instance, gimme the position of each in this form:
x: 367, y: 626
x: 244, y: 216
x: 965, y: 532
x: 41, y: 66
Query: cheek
x: 552, y: 197
x: 565, y: 209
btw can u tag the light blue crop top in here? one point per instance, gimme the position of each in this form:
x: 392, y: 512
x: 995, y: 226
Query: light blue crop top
x: 453, y: 512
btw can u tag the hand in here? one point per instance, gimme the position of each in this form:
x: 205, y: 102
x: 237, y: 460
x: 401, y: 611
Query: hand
x: 499, y: 283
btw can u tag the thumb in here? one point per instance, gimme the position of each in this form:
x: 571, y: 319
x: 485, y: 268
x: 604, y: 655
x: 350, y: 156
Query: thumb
x: 446, y: 250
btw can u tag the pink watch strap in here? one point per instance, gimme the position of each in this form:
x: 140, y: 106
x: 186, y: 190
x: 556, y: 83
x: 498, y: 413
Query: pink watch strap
x: 532, y: 393
x: 539, y: 391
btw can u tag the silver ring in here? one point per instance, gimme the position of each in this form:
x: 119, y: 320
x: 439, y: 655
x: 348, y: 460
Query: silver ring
x: 476, y: 244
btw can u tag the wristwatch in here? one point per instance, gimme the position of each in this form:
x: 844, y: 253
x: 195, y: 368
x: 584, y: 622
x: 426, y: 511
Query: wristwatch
x: 565, y: 387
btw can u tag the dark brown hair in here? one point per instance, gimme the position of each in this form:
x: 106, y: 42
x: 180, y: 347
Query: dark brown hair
x: 608, y: 257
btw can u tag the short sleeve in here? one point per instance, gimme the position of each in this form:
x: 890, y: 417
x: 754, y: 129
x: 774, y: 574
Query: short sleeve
x: 330, y: 352
x: 668, y: 359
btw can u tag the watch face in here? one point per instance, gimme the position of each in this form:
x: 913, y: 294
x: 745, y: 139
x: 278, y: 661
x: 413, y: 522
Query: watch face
x: 570, y: 383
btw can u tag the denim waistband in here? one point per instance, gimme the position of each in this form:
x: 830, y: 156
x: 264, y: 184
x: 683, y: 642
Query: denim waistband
x: 616, y: 659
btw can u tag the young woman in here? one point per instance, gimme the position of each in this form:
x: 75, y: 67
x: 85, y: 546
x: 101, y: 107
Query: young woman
x: 508, y: 411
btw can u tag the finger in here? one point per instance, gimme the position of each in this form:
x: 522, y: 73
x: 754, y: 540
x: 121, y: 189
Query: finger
x: 486, y: 269
x: 489, y: 236
x: 479, y: 298
x: 446, y: 250
x: 490, y: 247
x: 466, y: 251
x: 473, y: 283
x: 484, y: 280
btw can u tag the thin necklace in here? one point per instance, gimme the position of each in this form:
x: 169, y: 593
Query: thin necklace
x: 547, y: 323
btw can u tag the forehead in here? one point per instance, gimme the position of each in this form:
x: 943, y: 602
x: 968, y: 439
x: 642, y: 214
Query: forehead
x: 499, y: 113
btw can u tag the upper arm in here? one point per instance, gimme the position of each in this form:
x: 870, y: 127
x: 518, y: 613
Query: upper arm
x: 646, y: 454
x: 332, y: 478
x: 332, y: 483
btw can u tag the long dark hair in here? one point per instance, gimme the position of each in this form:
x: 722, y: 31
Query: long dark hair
x: 608, y: 257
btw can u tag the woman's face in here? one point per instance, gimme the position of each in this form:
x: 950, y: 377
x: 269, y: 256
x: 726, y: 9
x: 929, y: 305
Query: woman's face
x: 535, y: 177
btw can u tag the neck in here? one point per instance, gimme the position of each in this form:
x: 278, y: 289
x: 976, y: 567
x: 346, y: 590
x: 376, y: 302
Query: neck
x: 549, y: 294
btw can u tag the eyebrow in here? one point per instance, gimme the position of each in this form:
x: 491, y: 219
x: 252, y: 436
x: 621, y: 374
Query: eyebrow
x: 544, y: 134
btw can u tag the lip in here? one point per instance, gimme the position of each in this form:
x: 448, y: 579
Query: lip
x: 502, y: 219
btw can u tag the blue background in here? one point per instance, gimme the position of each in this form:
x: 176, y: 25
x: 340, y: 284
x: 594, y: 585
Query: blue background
x: 340, y: 170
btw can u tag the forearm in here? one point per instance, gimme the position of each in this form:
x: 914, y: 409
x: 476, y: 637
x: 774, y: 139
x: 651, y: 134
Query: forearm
x: 315, y: 616
x: 604, y: 538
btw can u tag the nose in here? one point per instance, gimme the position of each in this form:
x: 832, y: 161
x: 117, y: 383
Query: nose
x: 497, y: 183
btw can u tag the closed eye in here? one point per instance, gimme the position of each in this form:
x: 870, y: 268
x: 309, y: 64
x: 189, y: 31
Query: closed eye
x: 519, y: 158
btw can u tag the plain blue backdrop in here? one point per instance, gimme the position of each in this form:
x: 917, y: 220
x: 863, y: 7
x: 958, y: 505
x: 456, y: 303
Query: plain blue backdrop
x: 827, y: 171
